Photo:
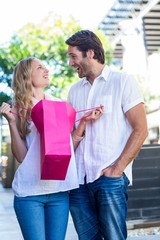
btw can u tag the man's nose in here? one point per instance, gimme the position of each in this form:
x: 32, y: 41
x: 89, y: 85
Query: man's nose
x: 71, y: 62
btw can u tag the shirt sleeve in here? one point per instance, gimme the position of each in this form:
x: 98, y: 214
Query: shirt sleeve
x: 131, y: 93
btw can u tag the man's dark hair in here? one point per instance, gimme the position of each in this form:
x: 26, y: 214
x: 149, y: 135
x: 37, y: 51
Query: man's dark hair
x: 85, y: 40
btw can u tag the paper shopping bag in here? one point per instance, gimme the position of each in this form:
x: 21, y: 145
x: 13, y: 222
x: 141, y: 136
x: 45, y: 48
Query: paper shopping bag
x: 54, y: 121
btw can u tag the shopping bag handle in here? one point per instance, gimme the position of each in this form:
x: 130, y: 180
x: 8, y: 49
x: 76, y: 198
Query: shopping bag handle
x: 19, y: 114
x: 87, y: 109
x: 83, y: 110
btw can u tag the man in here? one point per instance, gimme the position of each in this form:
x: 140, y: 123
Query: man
x: 105, y: 155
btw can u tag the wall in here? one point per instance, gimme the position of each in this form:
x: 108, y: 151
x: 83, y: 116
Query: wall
x: 144, y: 195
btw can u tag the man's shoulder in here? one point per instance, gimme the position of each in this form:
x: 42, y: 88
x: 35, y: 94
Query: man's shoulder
x: 78, y: 84
x: 120, y: 75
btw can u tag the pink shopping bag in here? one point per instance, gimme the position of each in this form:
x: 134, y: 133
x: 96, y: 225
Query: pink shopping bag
x: 54, y: 121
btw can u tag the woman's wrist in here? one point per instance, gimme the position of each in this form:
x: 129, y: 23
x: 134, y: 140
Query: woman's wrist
x: 83, y: 121
x: 12, y: 122
x: 77, y: 137
x: 79, y: 133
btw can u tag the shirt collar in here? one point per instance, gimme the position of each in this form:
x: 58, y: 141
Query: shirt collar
x: 104, y: 75
x: 84, y: 81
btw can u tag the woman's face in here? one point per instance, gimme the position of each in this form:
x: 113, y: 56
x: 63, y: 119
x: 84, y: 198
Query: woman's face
x: 39, y: 75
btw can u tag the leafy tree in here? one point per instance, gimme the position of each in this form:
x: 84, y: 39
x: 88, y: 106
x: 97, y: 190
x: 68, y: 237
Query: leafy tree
x: 4, y: 97
x: 45, y: 41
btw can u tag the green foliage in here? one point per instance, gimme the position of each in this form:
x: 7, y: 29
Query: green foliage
x: 4, y: 98
x: 45, y: 41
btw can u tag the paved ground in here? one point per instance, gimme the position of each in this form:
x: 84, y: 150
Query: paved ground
x: 9, y: 228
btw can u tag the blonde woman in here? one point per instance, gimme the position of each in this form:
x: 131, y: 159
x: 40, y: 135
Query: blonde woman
x: 41, y: 206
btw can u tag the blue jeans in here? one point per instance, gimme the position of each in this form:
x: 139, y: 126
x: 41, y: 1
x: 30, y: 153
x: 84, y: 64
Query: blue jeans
x: 43, y: 217
x: 99, y: 209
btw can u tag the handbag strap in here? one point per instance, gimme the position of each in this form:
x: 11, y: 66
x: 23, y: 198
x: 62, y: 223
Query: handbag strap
x: 83, y: 110
x: 87, y: 109
x: 19, y: 114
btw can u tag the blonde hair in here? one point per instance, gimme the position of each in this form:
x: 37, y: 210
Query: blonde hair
x: 22, y: 87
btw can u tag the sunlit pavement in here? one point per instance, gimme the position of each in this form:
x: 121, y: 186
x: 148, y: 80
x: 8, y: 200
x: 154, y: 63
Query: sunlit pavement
x: 9, y: 228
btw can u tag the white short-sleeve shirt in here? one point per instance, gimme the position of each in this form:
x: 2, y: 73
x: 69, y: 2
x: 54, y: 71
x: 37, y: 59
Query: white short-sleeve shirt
x: 106, y: 138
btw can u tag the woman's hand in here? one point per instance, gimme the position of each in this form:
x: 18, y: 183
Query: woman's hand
x: 79, y: 132
x: 93, y: 115
x: 6, y: 111
x: 18, y: 145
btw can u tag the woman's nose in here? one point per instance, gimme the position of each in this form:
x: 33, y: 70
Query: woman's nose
x: 46, y: 69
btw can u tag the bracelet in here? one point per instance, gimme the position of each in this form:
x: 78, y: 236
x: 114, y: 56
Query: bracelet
x: 77, y: 138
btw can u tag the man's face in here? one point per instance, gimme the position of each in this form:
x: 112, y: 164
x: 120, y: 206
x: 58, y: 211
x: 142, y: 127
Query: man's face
x: 79, y: 62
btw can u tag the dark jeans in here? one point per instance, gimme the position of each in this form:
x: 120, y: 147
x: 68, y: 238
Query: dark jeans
x: 99, y: 209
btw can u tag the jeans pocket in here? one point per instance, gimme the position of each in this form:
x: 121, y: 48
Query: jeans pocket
x: 108, y: 177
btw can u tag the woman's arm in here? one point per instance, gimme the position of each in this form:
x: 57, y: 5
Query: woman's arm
x: 18, y: 145
x: 78, y: 133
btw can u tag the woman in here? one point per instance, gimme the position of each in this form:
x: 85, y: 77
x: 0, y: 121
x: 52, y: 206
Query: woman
x: 41, y: 206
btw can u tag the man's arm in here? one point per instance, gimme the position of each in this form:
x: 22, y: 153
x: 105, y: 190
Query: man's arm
x: 137, y: 118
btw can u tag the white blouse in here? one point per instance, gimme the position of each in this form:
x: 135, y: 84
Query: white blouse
x: 27, y: 180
